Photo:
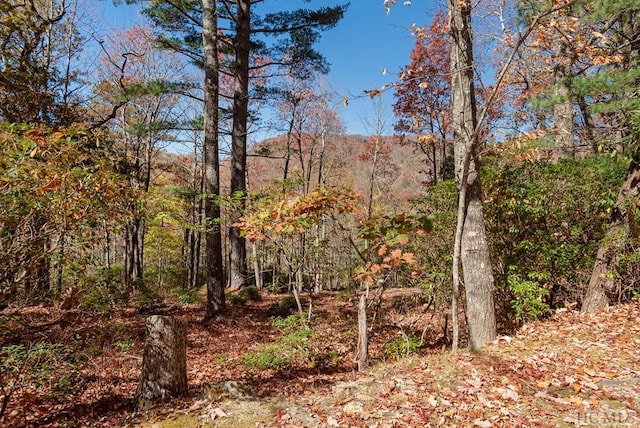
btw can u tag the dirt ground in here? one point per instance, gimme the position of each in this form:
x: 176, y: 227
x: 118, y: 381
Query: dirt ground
x: 570, y: 370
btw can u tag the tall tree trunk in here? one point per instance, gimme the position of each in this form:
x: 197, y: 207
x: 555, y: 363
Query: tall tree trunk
x: 237, y: 244
x: 563, y: 120
x: 198, y: 241
x: 61, y: 263
x: 471, y: 250
x: 139, y: 260
x: 435, y: 163
x: 106, y: 249
x: 38, y: 279
x: 587, y: 124
x: 214, y: 273
x: 287, y: 155
x: 323, y: 140
x: 372, y: 176
x: 303, y: 173
x: 133, y: 233
x: 620, y: 226
x: 257, y: 270
x: 191, y: 246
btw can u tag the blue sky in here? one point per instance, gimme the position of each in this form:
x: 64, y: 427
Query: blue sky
x: 364, y: 43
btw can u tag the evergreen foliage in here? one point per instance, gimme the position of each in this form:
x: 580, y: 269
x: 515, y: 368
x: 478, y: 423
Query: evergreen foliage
x: 544, y: 222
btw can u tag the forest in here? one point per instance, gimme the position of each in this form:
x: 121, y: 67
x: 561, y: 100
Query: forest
x: 471, y: 261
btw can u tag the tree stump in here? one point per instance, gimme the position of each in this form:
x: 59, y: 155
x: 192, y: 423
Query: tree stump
x: 164, y: 364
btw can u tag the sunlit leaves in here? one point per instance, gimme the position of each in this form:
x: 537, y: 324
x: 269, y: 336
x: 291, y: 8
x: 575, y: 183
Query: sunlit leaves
x: 423, y: 90
x: 291, y: 215
x: 52, y: 181
x: 36, y: 37
x: 389, y: 238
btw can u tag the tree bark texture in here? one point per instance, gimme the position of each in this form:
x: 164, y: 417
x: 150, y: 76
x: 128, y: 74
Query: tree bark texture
x: 237, y: 245
x: 214, y: 272
x: 477, y: 273
x: 471, y: 243
x: 362, y: 355
x: 164, y: 364
x: 620, y: 227
x: 134, y: 251
x: 563, y: 114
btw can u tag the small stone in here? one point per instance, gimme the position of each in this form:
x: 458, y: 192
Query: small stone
x: 353, y: 408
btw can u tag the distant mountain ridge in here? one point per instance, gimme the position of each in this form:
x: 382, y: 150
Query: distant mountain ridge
x: 340, y: 160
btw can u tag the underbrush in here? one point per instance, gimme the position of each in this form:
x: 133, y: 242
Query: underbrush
x: 291, y: 348
x: 402, y: 347
x: 246, y: 294
x: 45, y: 369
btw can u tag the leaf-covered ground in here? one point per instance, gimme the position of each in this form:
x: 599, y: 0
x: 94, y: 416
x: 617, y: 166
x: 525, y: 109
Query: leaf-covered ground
x: 570, y: 370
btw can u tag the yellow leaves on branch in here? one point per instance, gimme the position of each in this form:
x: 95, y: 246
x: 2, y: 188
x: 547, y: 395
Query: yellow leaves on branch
x: 585, y: 43
x: 599, y: 58
x: 566, y: 24
x: 296, y: 214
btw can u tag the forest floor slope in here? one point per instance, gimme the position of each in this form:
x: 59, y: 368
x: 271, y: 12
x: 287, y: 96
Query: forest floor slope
x: 569, y: 370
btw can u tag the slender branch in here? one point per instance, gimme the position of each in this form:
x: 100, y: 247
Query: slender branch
x: 186, y: 14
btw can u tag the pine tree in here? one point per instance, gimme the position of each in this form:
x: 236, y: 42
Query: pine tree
x: 248, y: 44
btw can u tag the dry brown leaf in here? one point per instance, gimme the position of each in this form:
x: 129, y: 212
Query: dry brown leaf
x: 543, y: 383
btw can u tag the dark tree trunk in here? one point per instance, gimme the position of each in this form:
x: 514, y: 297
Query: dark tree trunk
x: 164, y: 364
x: 471, y: 243
x: 237, y: 245
x: 133, y: 251
x: 587, y: 124
x: 192, y: 240
x: 37, y: 278
x: 435, y: 162
x: 214, y: 273
x: 287, y: 155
